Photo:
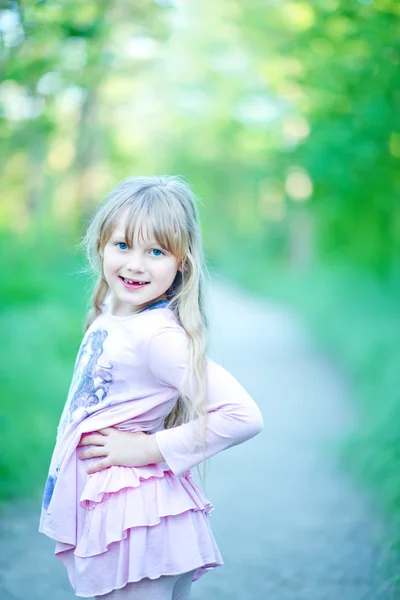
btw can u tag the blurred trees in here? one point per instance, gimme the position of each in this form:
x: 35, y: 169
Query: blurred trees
x: 284, y: 115
x: 339, y: 67
x: 55, y: 57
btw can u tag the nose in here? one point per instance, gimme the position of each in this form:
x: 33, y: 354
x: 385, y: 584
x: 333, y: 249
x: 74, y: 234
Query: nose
x: 135, y: 263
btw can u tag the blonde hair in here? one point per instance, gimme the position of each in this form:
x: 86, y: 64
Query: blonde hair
x: 166, y: 206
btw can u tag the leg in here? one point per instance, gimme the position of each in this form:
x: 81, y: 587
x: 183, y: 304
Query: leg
x: 145, y: 589
x: 182, y: 586
x: 166, y: 587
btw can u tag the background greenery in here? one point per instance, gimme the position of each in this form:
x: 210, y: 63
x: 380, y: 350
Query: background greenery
x: 285, y: 117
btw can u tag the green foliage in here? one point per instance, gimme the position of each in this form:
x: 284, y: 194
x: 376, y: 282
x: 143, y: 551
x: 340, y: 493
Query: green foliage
x: 43, y: 300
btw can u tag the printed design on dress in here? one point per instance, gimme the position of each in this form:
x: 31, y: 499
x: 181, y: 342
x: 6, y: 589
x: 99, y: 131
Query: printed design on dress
x: 91, y: 380
x: 49, y: 489
x: 89, y: 388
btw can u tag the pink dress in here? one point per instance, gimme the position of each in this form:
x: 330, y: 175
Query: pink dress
x: 123, y: 524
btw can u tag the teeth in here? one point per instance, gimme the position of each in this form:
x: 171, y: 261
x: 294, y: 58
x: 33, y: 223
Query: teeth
x: 131, y: 282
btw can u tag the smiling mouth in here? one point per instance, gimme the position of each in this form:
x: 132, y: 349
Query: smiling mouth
x: 134, y: 282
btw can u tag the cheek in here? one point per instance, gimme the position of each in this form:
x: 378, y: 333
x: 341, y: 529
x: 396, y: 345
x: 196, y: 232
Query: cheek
x: 172, y: 275
x: 110, y: 262
x: 167, y: 271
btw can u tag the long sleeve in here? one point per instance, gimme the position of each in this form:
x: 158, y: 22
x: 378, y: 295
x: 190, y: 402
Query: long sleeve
x: 233, y: 416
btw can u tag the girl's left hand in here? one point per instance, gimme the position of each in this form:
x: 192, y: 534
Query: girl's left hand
x: 119, y: 448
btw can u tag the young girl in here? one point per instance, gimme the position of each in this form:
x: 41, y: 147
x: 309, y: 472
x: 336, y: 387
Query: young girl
x: 145, y: 406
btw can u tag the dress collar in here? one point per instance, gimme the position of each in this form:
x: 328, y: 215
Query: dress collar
x: 156, y: 304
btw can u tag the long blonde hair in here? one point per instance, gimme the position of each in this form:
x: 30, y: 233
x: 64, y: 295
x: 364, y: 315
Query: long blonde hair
x: 166, y: 206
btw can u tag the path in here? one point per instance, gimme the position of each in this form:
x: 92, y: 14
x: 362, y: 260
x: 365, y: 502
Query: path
x: 292, y: 526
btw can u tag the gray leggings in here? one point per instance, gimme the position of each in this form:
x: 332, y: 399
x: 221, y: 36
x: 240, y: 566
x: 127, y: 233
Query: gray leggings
x: 166, y: 587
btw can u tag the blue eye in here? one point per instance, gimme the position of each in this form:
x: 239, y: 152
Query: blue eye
x: 157, y: 251
x: 121, y: 245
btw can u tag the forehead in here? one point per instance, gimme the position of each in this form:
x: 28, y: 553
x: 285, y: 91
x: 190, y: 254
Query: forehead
x: 143, y: 232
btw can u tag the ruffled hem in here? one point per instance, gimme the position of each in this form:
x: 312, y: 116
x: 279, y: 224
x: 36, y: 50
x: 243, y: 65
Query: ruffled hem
x: 135, y: 524
x: 110, y: 481
x: 116, y: 479
x: 121, y: 499
x: 176, y: 545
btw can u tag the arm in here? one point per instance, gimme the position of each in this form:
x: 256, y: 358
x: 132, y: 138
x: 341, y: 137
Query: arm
x: 233, y: 416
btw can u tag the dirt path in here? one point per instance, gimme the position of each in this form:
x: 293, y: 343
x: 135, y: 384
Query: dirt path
x: 290, y: 524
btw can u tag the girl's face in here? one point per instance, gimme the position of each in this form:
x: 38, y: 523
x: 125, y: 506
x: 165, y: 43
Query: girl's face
x: 137, y: 275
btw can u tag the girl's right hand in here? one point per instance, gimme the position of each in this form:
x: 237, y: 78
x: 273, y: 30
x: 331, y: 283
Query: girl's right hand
x: 119, y: 448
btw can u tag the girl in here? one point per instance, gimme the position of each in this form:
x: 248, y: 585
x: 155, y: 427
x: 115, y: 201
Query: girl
x: 144, y: 407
